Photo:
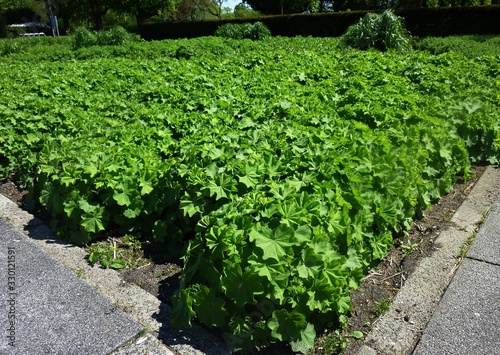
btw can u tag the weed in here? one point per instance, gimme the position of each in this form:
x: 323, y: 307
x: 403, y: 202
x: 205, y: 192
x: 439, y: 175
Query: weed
x: 465, y: 246
x: 382, y: 307
x: 382, y: 32
x: 336, y: 342
x: 253, y: 31
x: 117, y: 253
x: 80, y: 272
x: 83, y: 38
x: 116, y: 36
x: 410, y: 247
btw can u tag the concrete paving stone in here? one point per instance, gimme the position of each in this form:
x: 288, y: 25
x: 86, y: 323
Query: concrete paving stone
x: 480, y: 199
x: 486, y: 245
x: 144, y: 345
x: 467, y: 320
x: 365, y: 350
x: 55, y: 311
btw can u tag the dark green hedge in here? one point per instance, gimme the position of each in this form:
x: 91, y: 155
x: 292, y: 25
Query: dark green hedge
x: 318, y: 25
x: 3, y: 26
x: 420, y: 22
x: 453, y: 21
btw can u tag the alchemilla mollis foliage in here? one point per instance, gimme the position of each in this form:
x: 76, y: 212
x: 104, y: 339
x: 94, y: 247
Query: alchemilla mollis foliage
x: 279, y: 169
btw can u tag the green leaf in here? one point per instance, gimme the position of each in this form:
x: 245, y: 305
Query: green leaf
x: 305, y: 341
x: 291, y: 212
x: 322, y: 296
x: 182, y: 311
x: 274, y: 244
x: 146, y: 187
x: 241, y: 287
x: 357, y: 334
x: 215, y: 315
x: 303, y: 234
x: 122, y: 199
x: 190, y: 207
x: 221, y: 186
x: 69, y: 207
x: 118, y: 264
x: 353, y: 261
x: 91, y: 169
x: 92, y: 223
x: 93, y: 257
x: 250, y: 178
x: 130, y: 213
x: 67, y: 180
x: 286, y: 325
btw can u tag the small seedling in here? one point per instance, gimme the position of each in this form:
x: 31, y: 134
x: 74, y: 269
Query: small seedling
x: 117, y: 253
x: 80, y: 272
x: 465, y: 246
x: 410, y: 247
x: 382, y: 307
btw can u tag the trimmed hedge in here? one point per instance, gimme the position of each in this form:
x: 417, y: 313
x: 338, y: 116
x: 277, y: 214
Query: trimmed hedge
x: 3, y: 26
x: 453, y: 21
x: 420, y: 22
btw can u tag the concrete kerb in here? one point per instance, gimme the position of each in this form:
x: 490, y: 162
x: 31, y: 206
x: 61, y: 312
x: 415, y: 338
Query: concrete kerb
x: 140, y: 305
x: 400, y: 328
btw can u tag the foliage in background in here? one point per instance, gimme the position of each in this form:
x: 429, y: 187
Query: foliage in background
x: 286, y: 163
x: 3, y: 25
x: 470, y: 46
x: 382, y: 32
x: 242, y: 10
x: 254, y: 31
x: 116, y: 36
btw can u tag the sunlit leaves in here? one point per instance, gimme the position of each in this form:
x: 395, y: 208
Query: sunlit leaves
x: 286, y: 325
x: 274, y: 244
x: 286, y: 164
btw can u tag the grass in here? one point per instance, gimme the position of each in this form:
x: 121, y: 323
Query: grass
x: 465, y: 246
x: 382, y: 307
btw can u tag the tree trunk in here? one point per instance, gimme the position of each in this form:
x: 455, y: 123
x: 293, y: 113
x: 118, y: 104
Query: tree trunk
x: 98, y: 19
x: 140, y: 17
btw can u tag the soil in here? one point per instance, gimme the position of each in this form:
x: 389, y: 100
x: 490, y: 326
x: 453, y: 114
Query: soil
x: 161, y: 277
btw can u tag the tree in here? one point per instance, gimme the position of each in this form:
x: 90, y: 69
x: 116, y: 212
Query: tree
x: 275, y: 7
x: 243, y: 10
x: 144, y: 9
x: 37, y: 6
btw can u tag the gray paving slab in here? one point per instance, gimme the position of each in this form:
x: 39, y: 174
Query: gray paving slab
x: 486, y: 245
x: 47, y: 309
x: 467, y: 320
x: 147, y: 345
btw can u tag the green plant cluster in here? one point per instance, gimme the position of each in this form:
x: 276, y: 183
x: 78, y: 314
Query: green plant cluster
x: 116, y: 254
x: 116, y: 36
x: 287, y: 164
x: 254, y: 31
x: 382, y: 32
x: 470, y: 46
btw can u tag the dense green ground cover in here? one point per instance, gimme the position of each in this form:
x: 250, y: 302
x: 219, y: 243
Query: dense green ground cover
x: 288, y: 163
